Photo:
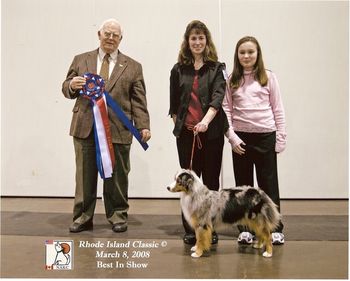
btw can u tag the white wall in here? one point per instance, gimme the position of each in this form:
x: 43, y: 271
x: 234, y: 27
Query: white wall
x: 304, y: 43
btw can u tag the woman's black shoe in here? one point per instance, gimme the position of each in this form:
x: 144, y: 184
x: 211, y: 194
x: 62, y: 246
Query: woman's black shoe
x: 189, y: 238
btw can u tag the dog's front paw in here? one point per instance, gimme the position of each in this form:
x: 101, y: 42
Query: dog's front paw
x: 267, y: 255
x: 194, y: 248
x: 195, y: 255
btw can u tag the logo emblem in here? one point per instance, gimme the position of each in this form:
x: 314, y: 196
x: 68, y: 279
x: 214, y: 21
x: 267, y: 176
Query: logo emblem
x: 59, y: 254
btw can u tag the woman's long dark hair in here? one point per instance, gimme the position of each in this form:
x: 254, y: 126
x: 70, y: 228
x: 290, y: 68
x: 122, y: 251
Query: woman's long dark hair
x: 238, y: 71
x: 185, y: 55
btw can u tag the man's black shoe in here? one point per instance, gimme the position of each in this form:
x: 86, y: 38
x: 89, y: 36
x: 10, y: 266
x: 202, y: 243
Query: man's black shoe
x: 78, y: 227
x: 120, y: 227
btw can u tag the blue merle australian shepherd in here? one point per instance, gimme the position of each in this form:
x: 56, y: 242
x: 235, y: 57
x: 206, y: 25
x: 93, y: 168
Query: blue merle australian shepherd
x: 206, y: 209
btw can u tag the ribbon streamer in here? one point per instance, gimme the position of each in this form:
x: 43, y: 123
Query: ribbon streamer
x: 125, y: 120
x: 94, y: 90
x: 103, y: 139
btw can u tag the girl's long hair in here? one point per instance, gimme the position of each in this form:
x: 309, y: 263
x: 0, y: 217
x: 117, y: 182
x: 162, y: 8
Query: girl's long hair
x: 238, y: 71
x: 185, y: 54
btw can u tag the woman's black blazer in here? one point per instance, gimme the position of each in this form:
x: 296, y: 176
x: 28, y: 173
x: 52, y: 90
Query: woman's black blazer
x: 211, y: 94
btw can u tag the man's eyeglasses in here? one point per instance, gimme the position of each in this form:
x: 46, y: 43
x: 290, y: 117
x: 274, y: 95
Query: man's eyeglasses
x: 110, y: 34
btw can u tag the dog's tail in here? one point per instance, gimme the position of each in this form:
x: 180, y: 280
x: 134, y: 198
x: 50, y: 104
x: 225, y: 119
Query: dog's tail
x: 262, y: 204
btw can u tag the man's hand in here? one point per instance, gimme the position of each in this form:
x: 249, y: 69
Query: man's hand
x: 77, y: 83
x: 146, y: 135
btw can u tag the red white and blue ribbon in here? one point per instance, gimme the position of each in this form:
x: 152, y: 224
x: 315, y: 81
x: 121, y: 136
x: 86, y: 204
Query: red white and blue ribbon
x: 94, y: 90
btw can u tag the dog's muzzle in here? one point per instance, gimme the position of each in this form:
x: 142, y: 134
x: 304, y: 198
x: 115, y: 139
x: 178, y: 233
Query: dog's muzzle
x: 171, y: 186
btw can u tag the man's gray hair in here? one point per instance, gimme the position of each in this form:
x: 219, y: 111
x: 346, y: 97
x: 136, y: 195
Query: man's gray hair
x: 111, y: 21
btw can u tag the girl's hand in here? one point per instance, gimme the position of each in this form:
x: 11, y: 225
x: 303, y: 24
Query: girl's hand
x: 239, y: 149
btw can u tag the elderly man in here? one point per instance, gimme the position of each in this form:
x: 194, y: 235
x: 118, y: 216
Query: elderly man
x: 125, y: 84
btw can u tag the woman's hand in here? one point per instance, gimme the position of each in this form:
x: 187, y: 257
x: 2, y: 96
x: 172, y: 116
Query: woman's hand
x: 174, y: 118
x: 201, y: 127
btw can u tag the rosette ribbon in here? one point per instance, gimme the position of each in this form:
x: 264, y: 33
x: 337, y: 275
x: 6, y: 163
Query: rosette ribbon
x: 94, y: 90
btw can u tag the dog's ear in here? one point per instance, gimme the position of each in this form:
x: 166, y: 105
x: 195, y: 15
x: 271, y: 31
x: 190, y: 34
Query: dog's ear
x: 186, y: 180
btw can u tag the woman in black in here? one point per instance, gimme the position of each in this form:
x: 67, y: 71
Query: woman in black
x: 197, y: 89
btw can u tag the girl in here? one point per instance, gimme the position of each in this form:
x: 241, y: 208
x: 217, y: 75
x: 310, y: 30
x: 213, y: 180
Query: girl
x: 197, y: 88
x: 257, y: 132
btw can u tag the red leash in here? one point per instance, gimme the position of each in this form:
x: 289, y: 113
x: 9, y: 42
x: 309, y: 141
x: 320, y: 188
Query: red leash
x: 195, y: 136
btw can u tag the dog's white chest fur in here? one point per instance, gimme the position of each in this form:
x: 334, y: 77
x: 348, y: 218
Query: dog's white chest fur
x: 186, y: 206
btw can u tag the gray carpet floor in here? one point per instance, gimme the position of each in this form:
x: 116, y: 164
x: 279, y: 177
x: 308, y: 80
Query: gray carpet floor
x: 297, y: 228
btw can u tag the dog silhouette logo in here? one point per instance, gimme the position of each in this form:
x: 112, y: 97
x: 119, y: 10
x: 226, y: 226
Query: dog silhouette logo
x: 59, y: 255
